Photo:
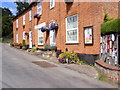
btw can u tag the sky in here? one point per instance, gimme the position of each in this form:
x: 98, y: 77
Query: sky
x: 12, y: 6
x: 9, y: 4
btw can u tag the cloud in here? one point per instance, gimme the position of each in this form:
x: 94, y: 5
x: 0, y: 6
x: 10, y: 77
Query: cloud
x: 13, y: 10
x: 11, y: 6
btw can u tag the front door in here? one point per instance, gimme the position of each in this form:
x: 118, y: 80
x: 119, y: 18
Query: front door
x: 52, y: 38
x: 16, y: 38
x: 30, y: 39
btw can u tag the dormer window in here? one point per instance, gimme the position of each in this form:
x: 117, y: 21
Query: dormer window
x: 52, y: 4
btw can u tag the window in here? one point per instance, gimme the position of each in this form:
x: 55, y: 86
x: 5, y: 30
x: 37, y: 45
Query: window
x: 52, y: 4
x: 72, y: 29
x: 40, y: 33
x: 24, y: 35
x: 17, y: 23
x: 23, y: 19
x: 30, y: 15
x: 40, y: 37
x: 39, y: 8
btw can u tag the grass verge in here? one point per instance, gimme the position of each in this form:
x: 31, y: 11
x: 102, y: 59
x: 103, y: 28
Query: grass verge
x: 102, y: 77
x: 4, y: 42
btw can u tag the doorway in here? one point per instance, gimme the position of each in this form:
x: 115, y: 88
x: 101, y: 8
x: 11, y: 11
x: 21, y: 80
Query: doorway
x: 30, y: 39
x: 52, y: 38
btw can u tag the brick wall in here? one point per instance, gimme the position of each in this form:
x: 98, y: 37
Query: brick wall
x: 89, y: 14
x: 113, y: 72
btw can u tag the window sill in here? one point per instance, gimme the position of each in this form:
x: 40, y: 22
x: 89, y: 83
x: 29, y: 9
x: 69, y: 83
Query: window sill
x: 71, y: 43
x: 40, y: 44
x: 51, y: 8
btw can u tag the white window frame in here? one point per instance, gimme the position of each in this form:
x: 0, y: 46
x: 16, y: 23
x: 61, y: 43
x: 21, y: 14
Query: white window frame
x: 72, y: 29
x: 17, y: 23
x: 52, y: 4
x: 24, y: 19
x: 30, y: 15
x: 39, y: 7
x: 24, y: 35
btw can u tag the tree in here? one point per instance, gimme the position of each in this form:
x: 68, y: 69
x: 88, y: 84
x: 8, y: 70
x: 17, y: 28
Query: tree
x: 7, y: 25
x: 6, y: 12
x: 21, y: 5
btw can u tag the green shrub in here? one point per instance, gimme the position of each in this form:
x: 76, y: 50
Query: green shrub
x: 34, y: 49
x: 48, y: 47
x: 112, y: 26
x: 23, y: 43
x: 53, y: 47
x: 68, y: 57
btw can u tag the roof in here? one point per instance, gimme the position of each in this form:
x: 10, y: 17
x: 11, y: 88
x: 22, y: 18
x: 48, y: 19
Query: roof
x: 24, y: 10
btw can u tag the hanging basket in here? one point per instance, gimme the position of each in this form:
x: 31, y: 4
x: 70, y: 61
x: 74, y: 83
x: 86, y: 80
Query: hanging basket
x: 26, y: 33
x: 44, y: 28
x: 53, y: 26
x: 37, y: 16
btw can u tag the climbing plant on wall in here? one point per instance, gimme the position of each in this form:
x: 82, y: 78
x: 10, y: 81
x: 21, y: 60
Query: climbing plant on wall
x: 107, y: 18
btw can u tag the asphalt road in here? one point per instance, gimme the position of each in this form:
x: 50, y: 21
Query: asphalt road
x: 18, y: 71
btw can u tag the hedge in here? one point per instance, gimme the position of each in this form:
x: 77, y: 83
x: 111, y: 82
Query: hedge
x: 112, y: 26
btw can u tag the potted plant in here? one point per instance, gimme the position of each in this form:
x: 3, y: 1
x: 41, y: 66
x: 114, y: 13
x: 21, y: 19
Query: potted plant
x: 24, y: 47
